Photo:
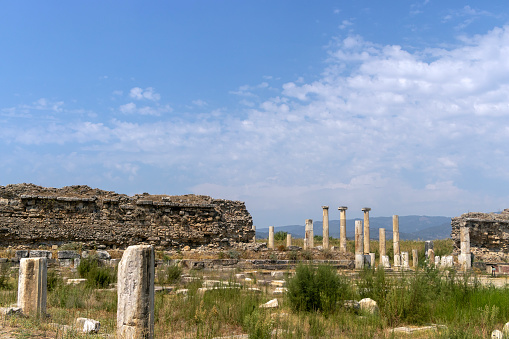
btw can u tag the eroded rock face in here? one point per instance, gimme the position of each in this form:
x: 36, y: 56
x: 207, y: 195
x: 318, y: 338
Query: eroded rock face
x: 31, y: 214
x: 489, y: 234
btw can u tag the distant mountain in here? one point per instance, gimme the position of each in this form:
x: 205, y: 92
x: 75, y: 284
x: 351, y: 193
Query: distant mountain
x: 411, y: 227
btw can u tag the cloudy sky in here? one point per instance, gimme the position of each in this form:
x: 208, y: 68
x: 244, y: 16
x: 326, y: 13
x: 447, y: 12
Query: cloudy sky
x: 402, y: 106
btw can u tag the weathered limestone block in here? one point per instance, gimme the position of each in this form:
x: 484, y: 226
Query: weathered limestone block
x: 415, y: 259
x: 309, y: 235
x: 67, y: 255
x: 431, y: 256
x: 428, y: 244
x: 369, y: 306
x: 385, y: 261
x: 21, y: 254
x: 404, y: 260
x: 40, y: 254
x: 497, y: 334
x: 32, y: 285
x: 135, y: 286
x: 86, y: 325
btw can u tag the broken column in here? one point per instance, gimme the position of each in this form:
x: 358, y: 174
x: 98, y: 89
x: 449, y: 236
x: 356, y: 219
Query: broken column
x: 395, y: 240
x: 431, y: 257
x: 308, y: 236
x: 254, y: 236
x: 325, y: 227
x: 415, y: 259
x: 428, y: 244
x: 135, y: 288
x: 384, y: 258
x: 342, y: 228
x: 404, y: 260
x: 366, y: 229
x: 359, y: 251
x: 465, y: 258
x: 288, y: 240
x: 271, y: 237
x: 32, y: 285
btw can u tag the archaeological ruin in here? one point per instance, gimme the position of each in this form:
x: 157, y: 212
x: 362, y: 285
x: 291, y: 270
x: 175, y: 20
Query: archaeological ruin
x: 34, y: 215
x: 488, y: 232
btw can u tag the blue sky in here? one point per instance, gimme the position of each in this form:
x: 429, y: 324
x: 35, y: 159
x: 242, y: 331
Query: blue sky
x: 287, y: 105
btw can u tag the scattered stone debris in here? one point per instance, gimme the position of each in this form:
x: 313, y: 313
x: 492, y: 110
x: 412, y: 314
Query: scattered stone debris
x: 270, y: 304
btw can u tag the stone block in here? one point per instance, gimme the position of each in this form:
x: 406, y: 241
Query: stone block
x: 21, y: 254
x: 135, y: 288
x: 67, y: 255
x: 369, y: 306
x: 40, y: 254
x: 102, y: 255
x: 32, y: 285
x: 86, y: 325
x: 270, y: 304
x: 385, y: 261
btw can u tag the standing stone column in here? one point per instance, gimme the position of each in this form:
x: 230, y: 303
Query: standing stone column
x: 395, y: 240
x: 135, y: 288
x: 288, y: 240
x: 381, y: 237
x: 342, y: 228
x: 254, y: 236
x: 404, y: 260
x: 325, y: 227
x: 271, y: 237
x: 465, y: 258
x: 308, y: 236
x: 359, y: 251
x: 32, y: 285
x: 366, y: 229
x: 431, y: 257
x: 415, y: 259
x: 428, y: 244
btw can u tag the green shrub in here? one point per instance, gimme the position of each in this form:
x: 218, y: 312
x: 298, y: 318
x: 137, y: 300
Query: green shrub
x: 54, y: 280
x: 280, y: 236
x: 97, y: 276
x: 258, y: 325
x: 316, y: 289
x: 5, y: 277
x: 169, y: 275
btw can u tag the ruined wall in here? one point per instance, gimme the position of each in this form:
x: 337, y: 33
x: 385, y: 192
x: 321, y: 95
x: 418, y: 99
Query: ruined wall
x: 31, y: 214
x: 489, y: 234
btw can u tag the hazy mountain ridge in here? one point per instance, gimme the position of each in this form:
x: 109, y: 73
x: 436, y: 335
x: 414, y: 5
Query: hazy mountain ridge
x: 412, y: 227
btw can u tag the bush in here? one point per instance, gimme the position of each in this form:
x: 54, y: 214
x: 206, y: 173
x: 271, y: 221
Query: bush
x: 316, y: 289
x: 54, y: 280
x: 170, y: 275
x: 97, y: 276
x: 280, y: 236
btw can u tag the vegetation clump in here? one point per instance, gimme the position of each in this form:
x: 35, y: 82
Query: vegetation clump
x: 97, y: 275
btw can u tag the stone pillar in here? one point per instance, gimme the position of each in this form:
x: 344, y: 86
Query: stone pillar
x: 308, y: 236
x: 135, y: 288
x: 342, y: 228
x: 381, y: 236
x: 325, y: 227
x: 428, y: 244
x: 395, y: 240
x: 32, y: 285
x: 465, y: 258
x: 372, y: 259
x: 415, y: 259
x: 288, y: 240
x: 431, y: 257
x: 271, y: 237
x: 404, y: 260
x: 254, y: 236
x: 359, y: 251
x: 385, y: 262
x: 366, y: 229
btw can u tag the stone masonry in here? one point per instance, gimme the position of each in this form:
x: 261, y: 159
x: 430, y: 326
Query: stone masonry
x: 489, y: 234
x: 34, y: 215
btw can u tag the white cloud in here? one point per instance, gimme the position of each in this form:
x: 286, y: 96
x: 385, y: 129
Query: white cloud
x: 147, y: 93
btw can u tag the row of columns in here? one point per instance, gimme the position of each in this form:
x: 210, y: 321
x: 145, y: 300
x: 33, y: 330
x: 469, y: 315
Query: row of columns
x: 362, y: 238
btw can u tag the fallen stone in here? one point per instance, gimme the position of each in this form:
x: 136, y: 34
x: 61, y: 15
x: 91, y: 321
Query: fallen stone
x: 497, y: 334
x: 40, y: 254
x: 270, y: 304
x: 76, y: 281
x: 183, y: 291
x: 278, y: 283
x: 280, y: 291
x: 86, y: 325
x: 277, y: 274
x: 352, y: 305
x: 8, y: 311
x: 408, y: 330
x: 240, y: 276
x: 369, y: 306
x: 103, y: 255
x: 67, y: 255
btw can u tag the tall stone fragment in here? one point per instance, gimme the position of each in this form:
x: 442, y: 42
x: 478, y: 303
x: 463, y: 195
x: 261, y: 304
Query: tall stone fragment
x: 366, y: 229
x: 431, y: 257
x: 415, y: 259
x: 404, y: 260
x: 325, y: 227
x: 381, y: 237
x: 271, y: 237
x: 465, y: 258
x: 342, y: 228
x: 385, y: 262
x: 428, y: 244
x: 135, y: 288
x: 395, y: 240
x: 32, y: 285
x: 359, y: 251
x: 254, y: 233
x: 308, y: 235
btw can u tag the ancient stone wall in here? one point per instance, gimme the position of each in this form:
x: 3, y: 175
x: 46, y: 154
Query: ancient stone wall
x: 489, y: 234
x: 31, y: 214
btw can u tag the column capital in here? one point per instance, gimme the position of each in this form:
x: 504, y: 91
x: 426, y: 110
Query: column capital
x: 366, y: 209
x: 325, y: 207
x: 342, y: 208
